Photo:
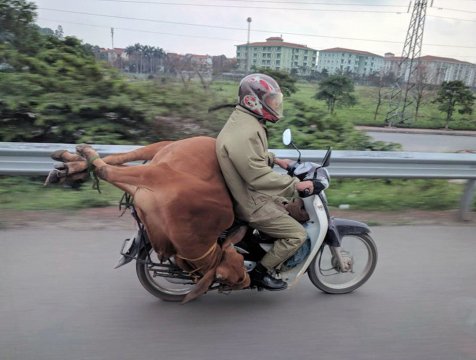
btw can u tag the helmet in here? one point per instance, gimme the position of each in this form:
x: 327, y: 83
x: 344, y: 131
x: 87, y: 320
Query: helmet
x: 260, y: 94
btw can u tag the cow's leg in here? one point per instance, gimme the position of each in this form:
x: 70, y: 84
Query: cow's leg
x: 144, y: 153
x: 75, y: 163
x: 126, y: 178
x: 78, y: 163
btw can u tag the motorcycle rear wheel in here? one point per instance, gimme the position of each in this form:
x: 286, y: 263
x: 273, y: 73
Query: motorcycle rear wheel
x: 324, y: 270
x: 159, y: 286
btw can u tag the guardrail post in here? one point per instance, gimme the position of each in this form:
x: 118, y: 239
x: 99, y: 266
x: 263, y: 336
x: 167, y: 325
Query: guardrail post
x: 467, y: 200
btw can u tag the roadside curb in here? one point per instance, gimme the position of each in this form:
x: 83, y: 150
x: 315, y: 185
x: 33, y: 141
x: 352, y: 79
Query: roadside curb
x: 416, y: 131
x: 109, y: 218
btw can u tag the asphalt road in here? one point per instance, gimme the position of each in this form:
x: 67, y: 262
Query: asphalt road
x: 427, y: 142
x: 60, y: 299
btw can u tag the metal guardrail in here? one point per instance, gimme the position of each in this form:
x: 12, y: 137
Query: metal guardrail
x: 33, y: 159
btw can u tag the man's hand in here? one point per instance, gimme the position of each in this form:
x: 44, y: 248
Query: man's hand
x: 283, y: 163
x: 305, y: 185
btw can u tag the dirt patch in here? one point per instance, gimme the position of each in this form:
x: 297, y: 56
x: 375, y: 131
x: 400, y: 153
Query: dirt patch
x: 109, y: 217
x: 87, y: 219
x: 408, y: 217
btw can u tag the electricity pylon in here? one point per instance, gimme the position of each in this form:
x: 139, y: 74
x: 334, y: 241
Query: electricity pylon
x: 402, y: 97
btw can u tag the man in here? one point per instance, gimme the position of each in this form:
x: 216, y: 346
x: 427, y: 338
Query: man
x: 242, y: 150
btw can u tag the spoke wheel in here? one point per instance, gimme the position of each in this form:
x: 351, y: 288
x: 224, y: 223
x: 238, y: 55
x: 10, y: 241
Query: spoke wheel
x: 167, y: 289
x: 358, y: 252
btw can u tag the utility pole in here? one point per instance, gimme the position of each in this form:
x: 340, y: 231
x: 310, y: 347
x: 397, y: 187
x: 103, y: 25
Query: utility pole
x: 247, y: 68
x: 112, y: 37
x: 401, y: 98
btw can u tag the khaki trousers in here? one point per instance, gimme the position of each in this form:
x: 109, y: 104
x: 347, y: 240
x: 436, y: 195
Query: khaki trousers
x: 289, y: 233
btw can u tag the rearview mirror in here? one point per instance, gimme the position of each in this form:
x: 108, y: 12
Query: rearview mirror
x: 287, y: 137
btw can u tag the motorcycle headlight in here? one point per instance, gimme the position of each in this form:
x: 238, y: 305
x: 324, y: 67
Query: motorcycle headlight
x: 322, y: 175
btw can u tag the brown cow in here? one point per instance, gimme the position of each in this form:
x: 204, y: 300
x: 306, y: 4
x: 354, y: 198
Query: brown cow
x: 181, y: 198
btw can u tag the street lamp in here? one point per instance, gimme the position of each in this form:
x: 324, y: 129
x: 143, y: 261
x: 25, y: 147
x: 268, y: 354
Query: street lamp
x: 247, y: 67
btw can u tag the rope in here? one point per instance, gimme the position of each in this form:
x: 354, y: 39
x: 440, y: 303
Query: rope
x: 94, y: 176
x: 209, y: 251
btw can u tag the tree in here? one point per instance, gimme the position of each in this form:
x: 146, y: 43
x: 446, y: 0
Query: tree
x: 17, y: 24
x: 59, y: 33
x: 421, y: 84
x: 454, y: 95
x: 336, y: 89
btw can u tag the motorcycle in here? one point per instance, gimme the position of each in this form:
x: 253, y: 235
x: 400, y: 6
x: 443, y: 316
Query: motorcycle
x: 339, y: 255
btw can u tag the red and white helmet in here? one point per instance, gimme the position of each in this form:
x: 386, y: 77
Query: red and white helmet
x: 260, y: 94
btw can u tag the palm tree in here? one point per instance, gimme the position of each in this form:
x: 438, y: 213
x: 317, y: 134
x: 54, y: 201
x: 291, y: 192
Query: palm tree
x: 130, y: 51
x: 138, y: 49
x: 159, y: 55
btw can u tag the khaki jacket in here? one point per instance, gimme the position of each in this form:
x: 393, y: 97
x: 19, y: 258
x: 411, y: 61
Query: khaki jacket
x: 246, y: 164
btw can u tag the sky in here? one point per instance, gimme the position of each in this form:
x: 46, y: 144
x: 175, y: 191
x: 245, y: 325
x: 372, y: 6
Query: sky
x: 215, y: 27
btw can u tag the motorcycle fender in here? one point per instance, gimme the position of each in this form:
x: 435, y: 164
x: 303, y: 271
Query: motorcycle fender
x: 338, y: 228
x: 131, y: 248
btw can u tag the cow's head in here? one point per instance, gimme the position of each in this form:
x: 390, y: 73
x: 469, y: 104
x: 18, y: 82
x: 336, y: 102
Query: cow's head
x: 230, y: 270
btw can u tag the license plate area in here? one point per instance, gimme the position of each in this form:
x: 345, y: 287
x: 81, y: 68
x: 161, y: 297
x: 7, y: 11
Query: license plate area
x: 127, y: 246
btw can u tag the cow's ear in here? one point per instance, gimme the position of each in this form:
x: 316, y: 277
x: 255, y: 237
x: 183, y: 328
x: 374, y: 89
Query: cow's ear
x: 235, y: 237
x: 201, y: 287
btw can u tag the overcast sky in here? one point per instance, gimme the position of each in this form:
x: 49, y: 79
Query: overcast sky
x: 215, y: 27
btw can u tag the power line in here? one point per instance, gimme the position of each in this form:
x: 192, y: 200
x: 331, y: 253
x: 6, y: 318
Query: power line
x: 458, y: 10
x: 252, y: 7
x: 243, y: 29
x: 138, y: 30
x: 198, y: 36
x: 311, y: 3
x: 450, y: 18
x: 282, y: 2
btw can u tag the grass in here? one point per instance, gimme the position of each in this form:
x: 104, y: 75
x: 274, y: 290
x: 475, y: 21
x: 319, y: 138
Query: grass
x: 20, y: 193
x: 392, y: 195
x: 363, y: 112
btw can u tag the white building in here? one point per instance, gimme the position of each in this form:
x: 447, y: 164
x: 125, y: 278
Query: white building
x: 439, y: 69
x: 434, y: 70
x: 276, y: 54
x: 340, y: 60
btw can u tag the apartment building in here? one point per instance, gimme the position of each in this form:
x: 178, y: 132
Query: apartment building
x: 434, y: 69
x: 276, y: 54
x: 357, y: 62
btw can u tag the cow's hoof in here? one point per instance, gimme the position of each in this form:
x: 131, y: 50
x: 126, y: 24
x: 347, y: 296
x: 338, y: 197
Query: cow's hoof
x: 54, y: 177
x: 65, y: 156
x: 61, y: 167
x: 58, y: 155
x: 85, y: 150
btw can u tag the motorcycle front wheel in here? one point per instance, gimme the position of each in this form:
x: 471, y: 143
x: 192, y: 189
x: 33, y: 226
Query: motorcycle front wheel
x: 164, y: 288
x: 359, y: 252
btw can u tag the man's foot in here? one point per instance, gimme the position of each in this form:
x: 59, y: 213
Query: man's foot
x: 260, y: 277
